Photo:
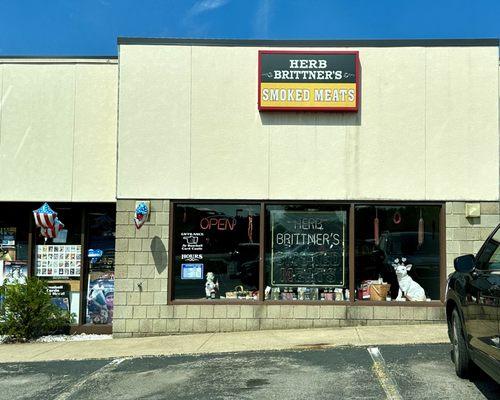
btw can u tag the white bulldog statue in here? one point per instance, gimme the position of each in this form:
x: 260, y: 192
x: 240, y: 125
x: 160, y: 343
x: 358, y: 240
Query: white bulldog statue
x: 411, y: 289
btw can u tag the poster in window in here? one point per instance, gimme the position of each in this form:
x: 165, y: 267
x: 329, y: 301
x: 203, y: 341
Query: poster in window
x: 8, y: 238
x: 60, y: 294
x: 308, y: 248
x: 100, y: 297
x: 14, y: 271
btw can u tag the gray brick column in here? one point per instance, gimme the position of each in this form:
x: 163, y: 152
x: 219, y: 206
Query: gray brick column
x: 466, y: 235
x: 141, y: 271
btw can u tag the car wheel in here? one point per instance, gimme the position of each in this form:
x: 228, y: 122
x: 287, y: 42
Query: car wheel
x: 461, y: 356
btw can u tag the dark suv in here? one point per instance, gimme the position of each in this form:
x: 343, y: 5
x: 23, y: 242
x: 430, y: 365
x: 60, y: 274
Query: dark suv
x: 472, y: 309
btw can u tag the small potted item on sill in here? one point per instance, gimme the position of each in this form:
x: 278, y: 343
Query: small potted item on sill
x: 275, y: 293
x: 288, y: 294
x: 364, y: 290
x: 329, y: 295
x: 239, y: 292
x: 379, y: 290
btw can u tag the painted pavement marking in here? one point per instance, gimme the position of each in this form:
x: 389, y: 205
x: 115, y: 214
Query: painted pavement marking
x: 380, y: 370
x: 79, y: 384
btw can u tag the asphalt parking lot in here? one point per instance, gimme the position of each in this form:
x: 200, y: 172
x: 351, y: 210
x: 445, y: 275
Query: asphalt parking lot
x: 406, y: 372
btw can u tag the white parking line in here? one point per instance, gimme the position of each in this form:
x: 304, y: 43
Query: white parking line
x: 79, y: 384
x: 380, y: 370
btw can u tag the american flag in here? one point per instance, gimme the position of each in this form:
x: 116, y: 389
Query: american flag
x: 45, y: 217
x: 54, y: 231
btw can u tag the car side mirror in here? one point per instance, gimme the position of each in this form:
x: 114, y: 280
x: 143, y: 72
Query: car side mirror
x: 465, y: 263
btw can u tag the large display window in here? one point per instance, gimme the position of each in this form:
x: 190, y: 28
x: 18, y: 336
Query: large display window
x: 216, y: 251
x: 77, y: 264
x: 397, y: 252
x: 307, y: 252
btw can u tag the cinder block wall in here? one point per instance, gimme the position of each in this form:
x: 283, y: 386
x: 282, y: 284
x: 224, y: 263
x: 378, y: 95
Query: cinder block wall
x: 140, y: 304
x: 141, y: 284
x: 467, y: 235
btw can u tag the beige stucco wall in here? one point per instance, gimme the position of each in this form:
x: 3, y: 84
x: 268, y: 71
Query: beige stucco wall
x: 427, y: 130
x: 58, y: 129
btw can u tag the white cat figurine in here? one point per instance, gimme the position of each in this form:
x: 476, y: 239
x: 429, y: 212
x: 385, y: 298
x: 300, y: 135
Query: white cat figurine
x: 412, y: 290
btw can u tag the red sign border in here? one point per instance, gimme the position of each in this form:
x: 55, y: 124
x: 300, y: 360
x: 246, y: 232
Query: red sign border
x: 330, y: 109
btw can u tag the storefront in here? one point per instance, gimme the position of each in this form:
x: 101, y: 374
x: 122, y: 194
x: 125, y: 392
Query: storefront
x: 306, y: 251
x: 288, y: 182
x: 58, y: 145
x: 280, y: 184
x: 80, y: 257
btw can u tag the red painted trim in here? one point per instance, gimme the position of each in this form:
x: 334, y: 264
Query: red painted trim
x: 358, y: 80
x: 308, y: 52
x: 330, y: 109
x: 259, y: 107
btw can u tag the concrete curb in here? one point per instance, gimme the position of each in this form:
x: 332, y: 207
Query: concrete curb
x: 229, y: 342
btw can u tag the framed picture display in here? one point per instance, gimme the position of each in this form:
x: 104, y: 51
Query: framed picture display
x: 58, y: 261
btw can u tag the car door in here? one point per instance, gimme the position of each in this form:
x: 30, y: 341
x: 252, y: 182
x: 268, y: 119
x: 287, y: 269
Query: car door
x: 483, y: 298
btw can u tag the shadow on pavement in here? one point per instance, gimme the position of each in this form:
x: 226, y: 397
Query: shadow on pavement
x: 484, y: 383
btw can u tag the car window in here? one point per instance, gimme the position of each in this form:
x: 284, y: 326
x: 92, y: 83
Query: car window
x: 490, y: 256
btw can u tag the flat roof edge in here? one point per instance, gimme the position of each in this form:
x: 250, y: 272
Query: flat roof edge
x: 310, y: 43
x: 59, y: 59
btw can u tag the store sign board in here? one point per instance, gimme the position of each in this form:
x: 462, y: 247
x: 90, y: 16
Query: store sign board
x: 309, y: 80
x: 308, y: 248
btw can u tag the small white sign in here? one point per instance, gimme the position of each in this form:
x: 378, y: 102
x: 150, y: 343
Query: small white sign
x: 191, y: 271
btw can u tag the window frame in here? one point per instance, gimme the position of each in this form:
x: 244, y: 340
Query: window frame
x: 350, y: 205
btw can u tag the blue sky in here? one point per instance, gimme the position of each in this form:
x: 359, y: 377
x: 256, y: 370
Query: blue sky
x: 90, y: 27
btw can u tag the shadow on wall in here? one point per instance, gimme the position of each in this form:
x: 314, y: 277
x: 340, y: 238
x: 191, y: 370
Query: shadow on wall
x: 159, y: 252
x: 324, y: 118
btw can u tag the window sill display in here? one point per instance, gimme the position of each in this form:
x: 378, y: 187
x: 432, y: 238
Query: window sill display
x: 241, y: 294
x: 302, y: 293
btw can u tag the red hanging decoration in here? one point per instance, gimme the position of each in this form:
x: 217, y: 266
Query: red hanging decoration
x: 376, y: 232
x: 250, y: 228
x: 396, y: 218
x: 420, y: 230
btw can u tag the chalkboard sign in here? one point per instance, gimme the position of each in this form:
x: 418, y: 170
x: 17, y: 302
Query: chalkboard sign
x: 308, y: 248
